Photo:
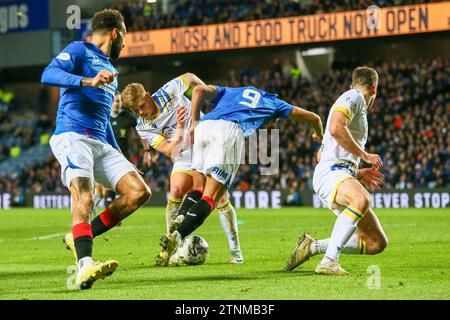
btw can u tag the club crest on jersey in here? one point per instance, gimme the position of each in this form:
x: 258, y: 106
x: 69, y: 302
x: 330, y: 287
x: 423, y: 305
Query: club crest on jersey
x: 220, y: 173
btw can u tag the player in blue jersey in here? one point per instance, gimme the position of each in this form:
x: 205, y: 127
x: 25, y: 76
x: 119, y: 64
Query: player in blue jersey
x: 218, y: 145
x: 84, y: 143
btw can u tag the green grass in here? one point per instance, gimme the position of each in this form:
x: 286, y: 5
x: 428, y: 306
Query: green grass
x: 414, y: 266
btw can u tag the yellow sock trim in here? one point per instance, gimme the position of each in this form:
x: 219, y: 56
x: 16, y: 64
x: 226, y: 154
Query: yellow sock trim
x: 225, y: 206
x: 174, y: 201
x: 353, y: 213
x: 362, y: 247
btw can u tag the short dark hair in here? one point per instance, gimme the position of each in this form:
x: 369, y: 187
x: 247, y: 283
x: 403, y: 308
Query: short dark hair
x: 107, y: 19
x: 365, y: 76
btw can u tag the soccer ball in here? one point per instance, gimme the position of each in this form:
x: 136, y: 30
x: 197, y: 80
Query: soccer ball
x: 192, y: 251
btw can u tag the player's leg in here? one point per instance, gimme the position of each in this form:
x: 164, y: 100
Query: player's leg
x: 195, y: 217
x: 75, y: 155
x: 217, y: 152
x: 115, y: 172
x: 82, y: 201
x: 180, y: 184
x: 228, y: 221
x: 82, y: 194
x: 193, y: 196
x: 356, y: 200
x: 372, y: 238
x: 369, y: 238
x: 134, y: 193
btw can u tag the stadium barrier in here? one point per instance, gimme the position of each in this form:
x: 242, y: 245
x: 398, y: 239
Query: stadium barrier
x: 413, y: 198
x: 263, y: 199
x: 5, y: 200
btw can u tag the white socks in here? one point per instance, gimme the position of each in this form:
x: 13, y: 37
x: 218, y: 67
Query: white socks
x: 344, y: 228
x: 85, y: 263
x: 319, y: 246
x: 228, y: 220
x: 352, y: 245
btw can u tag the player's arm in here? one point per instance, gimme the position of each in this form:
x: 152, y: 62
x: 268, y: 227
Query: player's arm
x: 338, y: 129
x: 302, y: 115
x: 167, y: 148
x: 61, y: 71
x: 201, y: 95
x: 191, y: 80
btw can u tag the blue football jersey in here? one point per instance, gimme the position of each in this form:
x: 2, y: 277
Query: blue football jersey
x: 84, y: 110
x: 249, y: 107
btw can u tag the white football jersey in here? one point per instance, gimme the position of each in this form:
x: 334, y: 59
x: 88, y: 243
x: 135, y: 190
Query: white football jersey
x: 168, y: 99
x: 353, y: 105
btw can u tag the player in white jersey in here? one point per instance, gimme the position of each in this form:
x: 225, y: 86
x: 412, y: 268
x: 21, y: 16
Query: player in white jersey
x: 164, y: 120
x: 341, y: 186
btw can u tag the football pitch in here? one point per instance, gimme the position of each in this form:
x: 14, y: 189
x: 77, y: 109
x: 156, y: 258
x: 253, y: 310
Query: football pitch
x: 34, y: 263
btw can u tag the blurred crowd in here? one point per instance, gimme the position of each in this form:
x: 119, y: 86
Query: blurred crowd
x: 408, y: 126
x: 19, y: 132
x: 141, y: 15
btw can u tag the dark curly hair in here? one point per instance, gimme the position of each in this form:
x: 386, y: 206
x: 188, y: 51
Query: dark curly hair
x: 107, y: 19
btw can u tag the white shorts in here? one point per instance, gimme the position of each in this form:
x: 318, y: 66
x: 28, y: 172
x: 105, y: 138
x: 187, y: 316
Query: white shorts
x: 218, y: 147
x: 80, y: 156
x: 183, y: 167
x: 327, y: 178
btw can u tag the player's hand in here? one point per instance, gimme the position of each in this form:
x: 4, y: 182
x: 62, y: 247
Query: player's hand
x: 182, y: 117
x: 103, y: 77
x: 373, y: 159
x: 371, y: 179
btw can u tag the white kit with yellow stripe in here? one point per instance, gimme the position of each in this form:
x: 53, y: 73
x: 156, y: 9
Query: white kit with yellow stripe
x: 162, y: 126
x: 337, y: 164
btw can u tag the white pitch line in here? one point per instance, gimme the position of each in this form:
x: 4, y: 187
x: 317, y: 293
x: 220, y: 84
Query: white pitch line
x: 50, y: 236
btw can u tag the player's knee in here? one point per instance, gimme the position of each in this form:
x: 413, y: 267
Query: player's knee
x: 142, y: 195
x: 177, y: 191
x: 377, y: 245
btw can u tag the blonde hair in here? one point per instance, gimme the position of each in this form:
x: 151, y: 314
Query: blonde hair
x: 131, y: 94
x: 365, y: 76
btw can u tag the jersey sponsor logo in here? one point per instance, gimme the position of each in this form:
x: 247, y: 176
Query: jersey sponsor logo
x: 220, y: 173
x: 168, y: 130
x: 63, y: 56
x: 346, y: 166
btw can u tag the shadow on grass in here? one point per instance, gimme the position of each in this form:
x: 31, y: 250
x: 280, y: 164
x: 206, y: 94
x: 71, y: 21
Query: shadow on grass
x: 177, y: 279
x: 296, y: 273
x: 151, y: 265
x: 26, y: 274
